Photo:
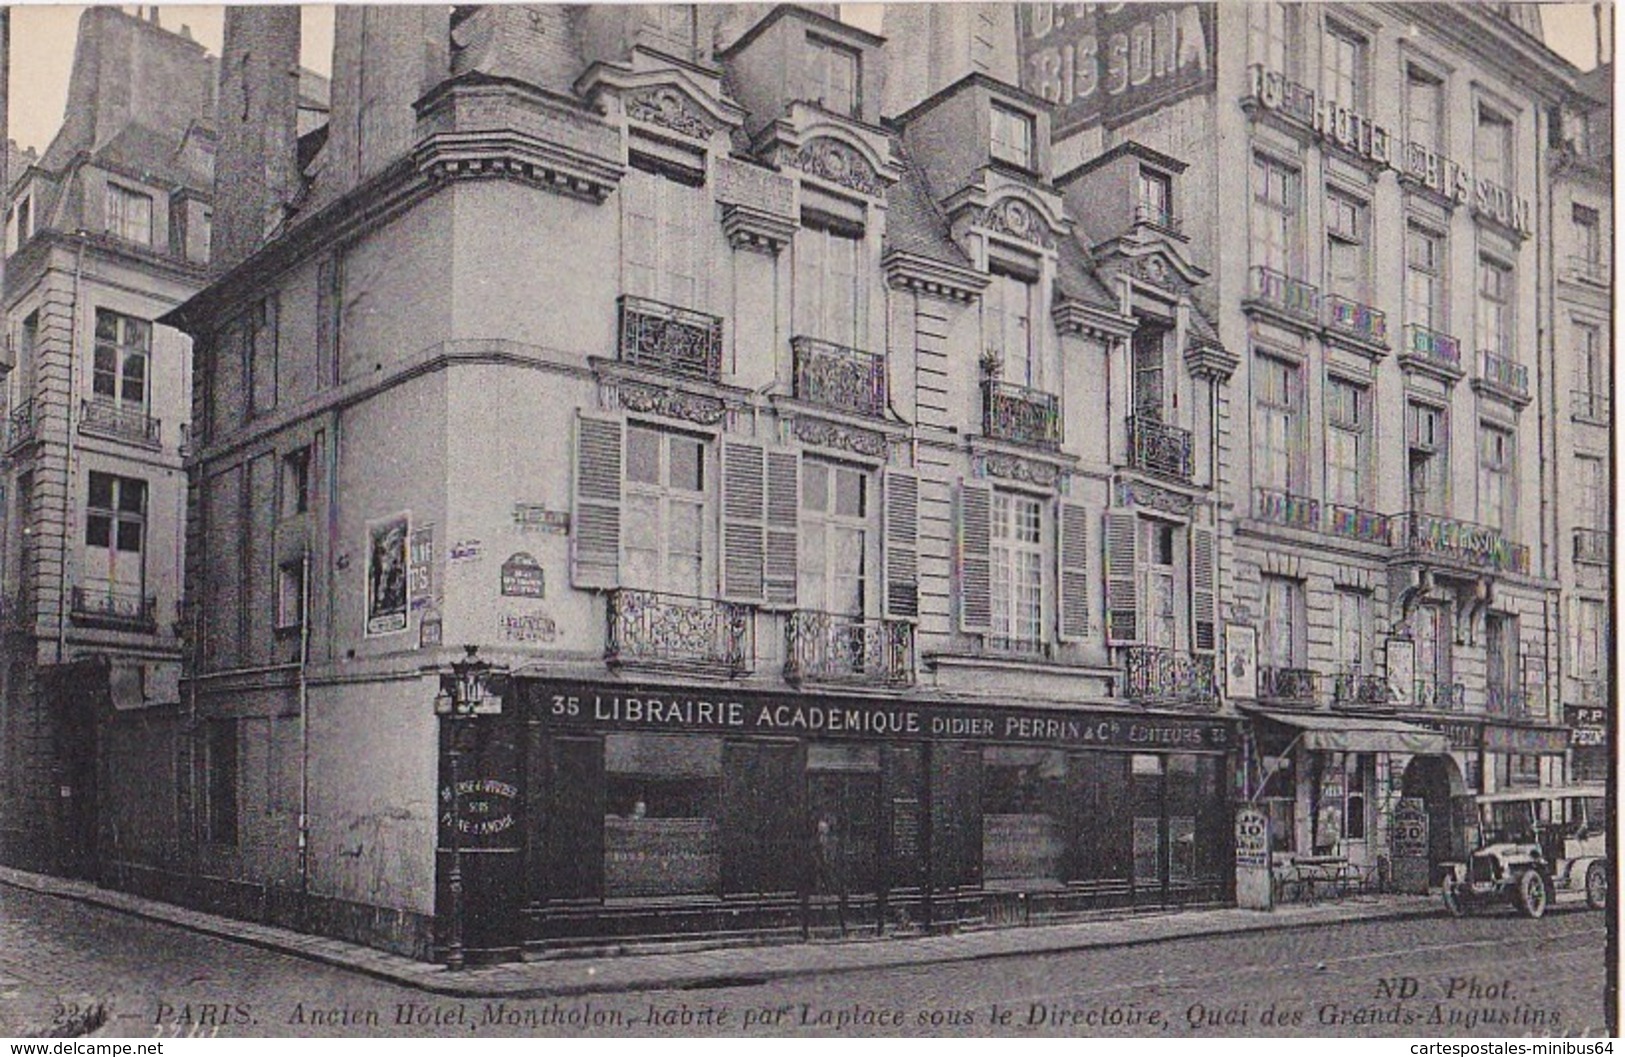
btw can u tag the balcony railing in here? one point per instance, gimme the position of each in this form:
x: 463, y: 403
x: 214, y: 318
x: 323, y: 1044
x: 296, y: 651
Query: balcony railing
x: 1021, y: 415
x: 836, y: 376
x: 1295, y: 685
x: 1284, y: 294
x: 1158, y: 448
x: 122, y: 423
x: 1460, y: 543
x: 1433, y: 347
x: 662, y: 630
x: 1166, y: 676
x: 22, y: 425
x: 1586, y: 269
x: 1588, y: 404
x: 669, y: 338
x: 1504, y: 373
x: 103, y: 606
x: 1591, y: 546
x: 1357, y: 320
x: 1356, y: 688
x: 1509, y: 701
x: 1353, y: 523
x: 1279, y: 507
x: 832, y: 648
x: 1433, y: 696
x: 1157, y: 216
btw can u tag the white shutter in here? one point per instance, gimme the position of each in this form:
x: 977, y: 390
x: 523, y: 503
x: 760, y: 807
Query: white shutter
x: 901, y: 542
x: 782, y: 559
x: 1122, y: 539
x: 975, y: 556
x: 596, y: 529
x: 744, y: 520
x: 1204, y: 595
x: 1072, y: 580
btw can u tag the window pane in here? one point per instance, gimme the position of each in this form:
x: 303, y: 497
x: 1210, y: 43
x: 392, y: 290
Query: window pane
x: 98, y: 530
x: 849, y: 493
x: 643, y: 456
x: 129, y: 536
x: 132, y: 496
x: 101, y: 490
x: 687, y: 464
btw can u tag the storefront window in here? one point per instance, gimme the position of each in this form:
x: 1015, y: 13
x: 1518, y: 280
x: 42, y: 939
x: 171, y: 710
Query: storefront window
x: 843, y: 787
x: 662, y: 794
x: 1147, y: 779
x: 1023, y: 802
x: 1360, y: 766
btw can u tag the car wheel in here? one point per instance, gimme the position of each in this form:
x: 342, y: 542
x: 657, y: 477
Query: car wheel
x: 1532, y: 895
x: 1453, y: 901
x: 1597, y: 886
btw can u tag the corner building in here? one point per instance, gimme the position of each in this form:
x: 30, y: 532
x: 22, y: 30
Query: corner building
x: 780, y: 452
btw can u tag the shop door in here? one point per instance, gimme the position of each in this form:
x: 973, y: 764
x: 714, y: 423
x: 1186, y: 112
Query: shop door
x: 575, y: 822
x: 1427, y: 778
x: 762, y: 850
x: 1102, y: 849
x: 1150, y: 832
x: 847, y: 804
x: 77, y: 773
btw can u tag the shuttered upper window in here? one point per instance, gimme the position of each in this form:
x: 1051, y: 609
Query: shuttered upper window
x: 666, y: 510
x: 835, y: 538
x: 1017, y: 573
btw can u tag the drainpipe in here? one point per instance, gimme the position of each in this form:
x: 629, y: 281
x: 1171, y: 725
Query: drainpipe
x: 68, y: 485
x: 304, y: 724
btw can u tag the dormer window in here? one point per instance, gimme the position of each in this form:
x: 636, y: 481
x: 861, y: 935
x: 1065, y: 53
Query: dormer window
x: 834, y: 76
x: 129, y: 214
x: 670, y: 27
x: 1012, y: 136
x: 1156, y: 199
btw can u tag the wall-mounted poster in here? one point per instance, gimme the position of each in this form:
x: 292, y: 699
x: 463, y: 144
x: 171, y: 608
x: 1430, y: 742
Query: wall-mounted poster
x: 1240, y: 662
x: 1401, y: 671
x: 386, y: 574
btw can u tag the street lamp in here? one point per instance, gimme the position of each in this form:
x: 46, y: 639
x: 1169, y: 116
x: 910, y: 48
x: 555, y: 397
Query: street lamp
x: 462, y: 691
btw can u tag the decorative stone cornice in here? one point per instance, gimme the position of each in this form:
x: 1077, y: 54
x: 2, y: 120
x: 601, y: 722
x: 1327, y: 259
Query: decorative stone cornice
x: 1208, y: 359
x: 910, y: 271
x: 832, y: 160
x: 1016, y: 468
x: 1132, y: 492
x: 1016, y: 219
x: 669, y: 402
x: 665, y: 106
x: 1076, y: 317
x: 827, y: 434
x: 752, y: 229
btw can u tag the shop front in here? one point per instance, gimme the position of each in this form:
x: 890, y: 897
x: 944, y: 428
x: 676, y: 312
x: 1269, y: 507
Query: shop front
x: 668, y: 811
x: 1588, y: 739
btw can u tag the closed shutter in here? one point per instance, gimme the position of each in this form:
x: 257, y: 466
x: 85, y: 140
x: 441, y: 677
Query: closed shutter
x: 975, y: 557
x: 781, y: 565
x: 1072, y: 550
x: 901, y: 540
x: 744, y: 520
x: 597, y: 529
x: 1204, y: 595
x: 1122, y: 538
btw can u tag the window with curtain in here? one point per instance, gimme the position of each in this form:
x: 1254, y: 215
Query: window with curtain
x: 827, y: 284
x: 1347, y: 267
x: 835, y: 537
x: 1424, y: 278
x: 129, y: 214
x: 1343, y: 72
x: 1017, y: 573
x: 1424, y: 95
x: 1274, y: 216
x: 1492, y: 148
x: 1496, y: 492
x: 1591, y: 487
x: 661, y: 243
x: 835, y: 76
x: 1009, y: 301
x: 1347, y: 424
x: 1012, y: 136
x: 1270, y: 42
x: 666, y: 502
x: 1281, y: 638
x: 1494, y: 307
x: 1429, y: 447
x: 1277, y: 406
x: 1353, y: 630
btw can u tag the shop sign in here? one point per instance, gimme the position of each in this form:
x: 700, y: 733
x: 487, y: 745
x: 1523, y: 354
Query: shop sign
x: 679, y: 710
x: 420, y: 571
x: 1526, y: 741
x: 1252, y: 838
x: 1457, y: 735
x: 1110, y: 63
x: 528, y: 627
x: 522, y: 577
x: 1410, y: 830
x: 1589, y: 725
x: 484, y: 808
x: 535, y: 517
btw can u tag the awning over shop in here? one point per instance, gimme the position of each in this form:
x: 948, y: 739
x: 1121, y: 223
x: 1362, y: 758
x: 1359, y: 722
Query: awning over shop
x: 1321, y: 733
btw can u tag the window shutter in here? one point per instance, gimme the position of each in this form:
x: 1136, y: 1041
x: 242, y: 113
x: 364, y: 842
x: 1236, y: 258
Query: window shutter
x: 901, y: 542
x: 1072, y: 550
x: 597, y: 529
x: 1122, y: 538
x: 1203, y: 594
x: 781, y: 566
x: 744, y: 521
x: 975, y: 556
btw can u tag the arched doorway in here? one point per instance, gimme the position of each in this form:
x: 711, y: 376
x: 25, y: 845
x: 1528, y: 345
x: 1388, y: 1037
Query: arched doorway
x: 1437, y: 781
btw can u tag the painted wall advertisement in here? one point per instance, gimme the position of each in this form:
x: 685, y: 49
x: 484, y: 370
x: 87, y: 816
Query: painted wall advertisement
x: 1111, y: 63
x: 387, y: 563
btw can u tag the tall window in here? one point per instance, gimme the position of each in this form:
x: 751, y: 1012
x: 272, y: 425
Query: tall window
x: 1009, y: 304
x: 119, y: 362
x: 1593, y: 372
x: 1501, y: 657
x: 1424, y: 278
x: 1347, y: 269
x: 1591, y: 484
x: 1429, y: 449
x: 835, y: 76
x: 1156, y: 198
x: 1281, y: 642
x: 1588, y: 237
x: 1150, y: 371
x: 1590, y: 638
x: 1431, y: 626
x: 1344, y: 76
x: 1018, y: 572
x: 295, y: 487
x: 661, y: 237
x: 115, y: 533
x: 1274, y: 217
x: 1352, y: 640
x: 1492, y: 148
x: 827, y: 283
x: 1012, y: 136
x: 1496, y: 492
x: 666, y: 501
x: 1271, y: 36
x: 834, y: 538
x: 1494, y: 307
x: 1347, y: 427
x: 1278, y: 403
x: 290, y: 594
x: 1159, y: 583
x: 129, y: 215
x: 1424, y: 98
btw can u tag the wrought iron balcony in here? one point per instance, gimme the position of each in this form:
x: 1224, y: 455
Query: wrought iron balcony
x: 1433, y: 696
x: 833, y: 648
x: 661, y: 630
x: 1284, y: 295
x: 1156, y: 674
x: 1279, y: 507
x: 1504, y: 374
x: 101, y: 605
x: 1294, y: 685
x: 1159, y: 448
x: 22, y: 425
x: 1020, y: 415
x: 1591, y: 546
x: 839, y: 377
x: 1432, y: 348
x: 1589, y: 404
x: 669, y: 338
x: 1351, y: 687
x: 103, y: 419
x: 1157, y: 216
x: 1355, y: 523
x: 1509, y: 701
x: 1357, y: 320
x: 1446, y: 541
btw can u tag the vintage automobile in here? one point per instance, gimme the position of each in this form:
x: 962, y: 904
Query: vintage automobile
x: 1536, y: 847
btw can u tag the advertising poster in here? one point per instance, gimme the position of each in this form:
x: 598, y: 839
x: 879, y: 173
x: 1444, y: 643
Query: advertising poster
x: 387, y: 574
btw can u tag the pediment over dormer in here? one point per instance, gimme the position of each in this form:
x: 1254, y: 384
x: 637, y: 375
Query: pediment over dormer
x: 1011, y: 212
x: 663, y: 98
x: 830, y: 152
x: 1158, y: 266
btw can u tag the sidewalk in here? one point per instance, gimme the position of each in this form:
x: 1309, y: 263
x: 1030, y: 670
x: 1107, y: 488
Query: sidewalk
x: 733, y: 965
